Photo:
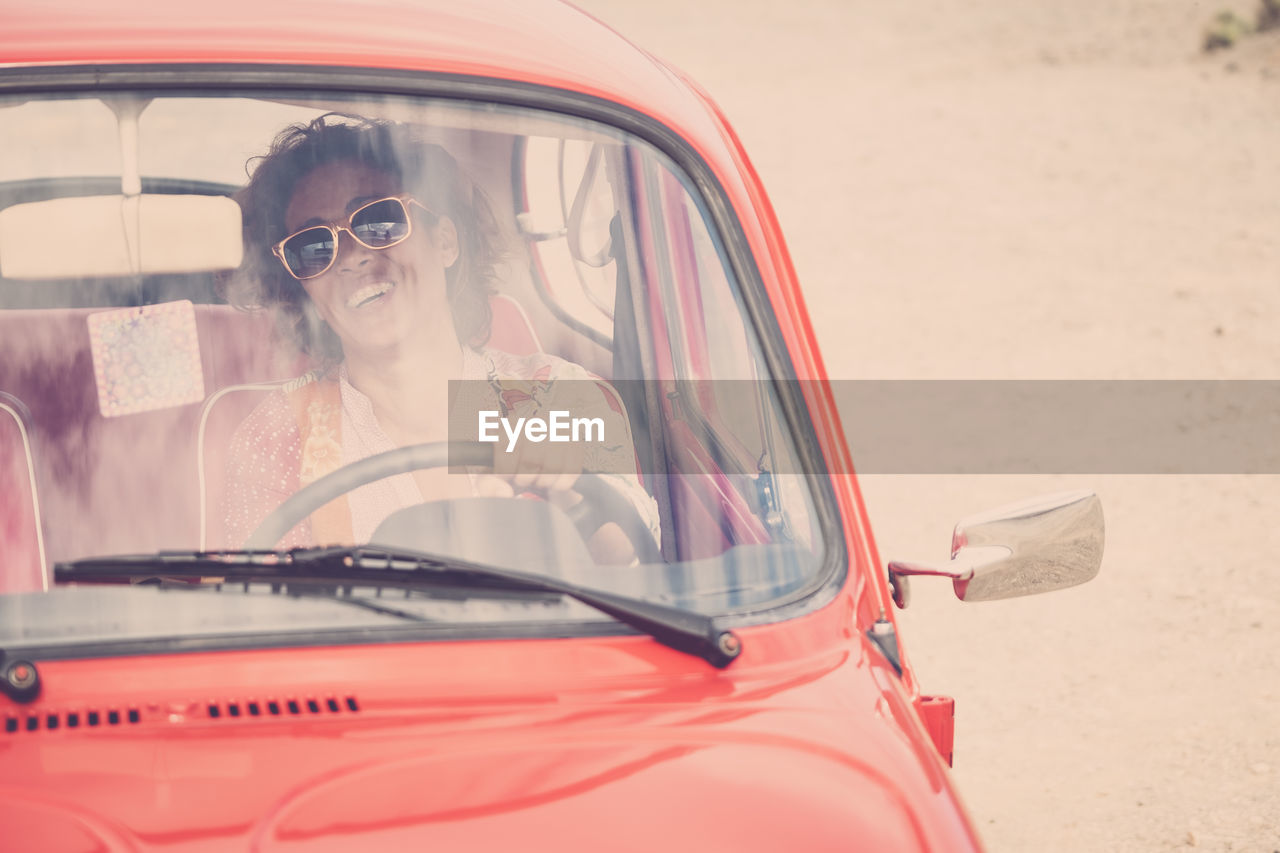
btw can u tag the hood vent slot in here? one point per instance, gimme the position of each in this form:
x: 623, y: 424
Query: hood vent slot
x: 282, y: 708
x: 35, y: 720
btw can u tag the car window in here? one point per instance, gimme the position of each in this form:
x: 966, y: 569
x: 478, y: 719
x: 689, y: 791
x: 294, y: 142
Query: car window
x: 719, y: 399
x: 570, y: 205
x: 201, y: 316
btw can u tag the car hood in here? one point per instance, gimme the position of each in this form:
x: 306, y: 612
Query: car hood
x: 613, y: 743
x: 643, y: 793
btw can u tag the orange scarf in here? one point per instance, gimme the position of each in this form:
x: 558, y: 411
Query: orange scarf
x: 316, y: 404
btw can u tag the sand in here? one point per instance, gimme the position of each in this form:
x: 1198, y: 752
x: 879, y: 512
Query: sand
x: 1001, y: 189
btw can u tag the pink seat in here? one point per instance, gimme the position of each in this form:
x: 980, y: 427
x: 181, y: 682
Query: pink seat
x: 222, y: 412
x: 106, y: 484
x: 511, y: 330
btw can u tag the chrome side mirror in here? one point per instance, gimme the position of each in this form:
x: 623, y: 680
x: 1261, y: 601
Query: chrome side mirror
x: 1040, y: 545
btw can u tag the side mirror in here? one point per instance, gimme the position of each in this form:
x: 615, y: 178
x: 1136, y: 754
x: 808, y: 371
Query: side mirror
x: 1047, y: 543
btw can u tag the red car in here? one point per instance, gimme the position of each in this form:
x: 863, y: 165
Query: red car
x: 412, y: 437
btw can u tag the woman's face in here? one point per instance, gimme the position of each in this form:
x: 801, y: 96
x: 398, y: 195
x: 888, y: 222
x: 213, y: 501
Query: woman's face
x: 374, y: 299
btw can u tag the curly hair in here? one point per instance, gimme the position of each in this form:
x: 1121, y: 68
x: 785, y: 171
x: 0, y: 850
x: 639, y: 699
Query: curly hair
x: 424, y: 169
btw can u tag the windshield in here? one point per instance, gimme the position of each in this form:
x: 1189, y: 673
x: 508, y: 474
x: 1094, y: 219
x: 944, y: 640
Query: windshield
x: 222, y: 316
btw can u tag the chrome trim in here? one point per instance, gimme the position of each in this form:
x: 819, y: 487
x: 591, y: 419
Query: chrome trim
x: 204, y: 420
x: 35, y: 496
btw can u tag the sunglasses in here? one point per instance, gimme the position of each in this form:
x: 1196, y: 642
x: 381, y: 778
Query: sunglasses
x: 379, y: 224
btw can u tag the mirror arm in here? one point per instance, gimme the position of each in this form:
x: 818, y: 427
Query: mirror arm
x: 907, y: 569
x: 960, y: 570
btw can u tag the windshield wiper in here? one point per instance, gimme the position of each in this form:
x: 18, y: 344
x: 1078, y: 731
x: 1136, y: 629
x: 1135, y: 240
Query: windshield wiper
x: 683, y: 630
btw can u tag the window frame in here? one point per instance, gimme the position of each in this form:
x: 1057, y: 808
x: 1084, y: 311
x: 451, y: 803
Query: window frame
x: 698, y: 177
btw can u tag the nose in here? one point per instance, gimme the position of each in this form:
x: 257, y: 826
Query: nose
x: 352, y: 254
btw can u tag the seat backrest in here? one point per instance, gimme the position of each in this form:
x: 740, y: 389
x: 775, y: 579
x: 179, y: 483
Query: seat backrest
x: 108, y: 483
x: 23, y: 567
x: 221, y: 414
x: 511, y: 330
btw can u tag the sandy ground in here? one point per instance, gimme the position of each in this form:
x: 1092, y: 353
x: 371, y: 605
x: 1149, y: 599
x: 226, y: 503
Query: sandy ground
x: 1023, y: 189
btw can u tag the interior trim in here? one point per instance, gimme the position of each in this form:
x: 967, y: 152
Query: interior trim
x: 35, y: 495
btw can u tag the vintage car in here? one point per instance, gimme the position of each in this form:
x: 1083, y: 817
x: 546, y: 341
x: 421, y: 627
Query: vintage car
x: 240, y: 611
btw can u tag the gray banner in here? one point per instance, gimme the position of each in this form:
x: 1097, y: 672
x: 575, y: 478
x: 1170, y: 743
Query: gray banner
x: 918, y: 426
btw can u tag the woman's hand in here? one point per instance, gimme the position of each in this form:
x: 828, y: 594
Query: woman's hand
x: 553, y: 469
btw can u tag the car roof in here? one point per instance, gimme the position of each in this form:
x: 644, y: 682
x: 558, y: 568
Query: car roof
x: 536, y: 41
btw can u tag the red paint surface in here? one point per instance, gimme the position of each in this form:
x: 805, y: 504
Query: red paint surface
x: 552, y: 742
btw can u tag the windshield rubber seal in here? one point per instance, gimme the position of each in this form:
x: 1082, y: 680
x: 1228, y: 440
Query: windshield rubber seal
x: 394, y: 632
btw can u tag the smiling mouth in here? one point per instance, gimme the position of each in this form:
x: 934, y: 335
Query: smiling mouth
x: 368, y: 294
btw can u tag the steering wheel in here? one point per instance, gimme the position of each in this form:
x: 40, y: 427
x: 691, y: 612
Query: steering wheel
x: 601, y: 503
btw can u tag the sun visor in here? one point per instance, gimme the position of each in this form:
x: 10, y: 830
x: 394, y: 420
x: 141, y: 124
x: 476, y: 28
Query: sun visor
x: 119, y: 235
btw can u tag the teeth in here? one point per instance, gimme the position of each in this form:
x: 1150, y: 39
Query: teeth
x: 368, y: 293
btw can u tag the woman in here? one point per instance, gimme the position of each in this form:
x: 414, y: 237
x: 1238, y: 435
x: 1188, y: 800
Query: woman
x: 377, y: 255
